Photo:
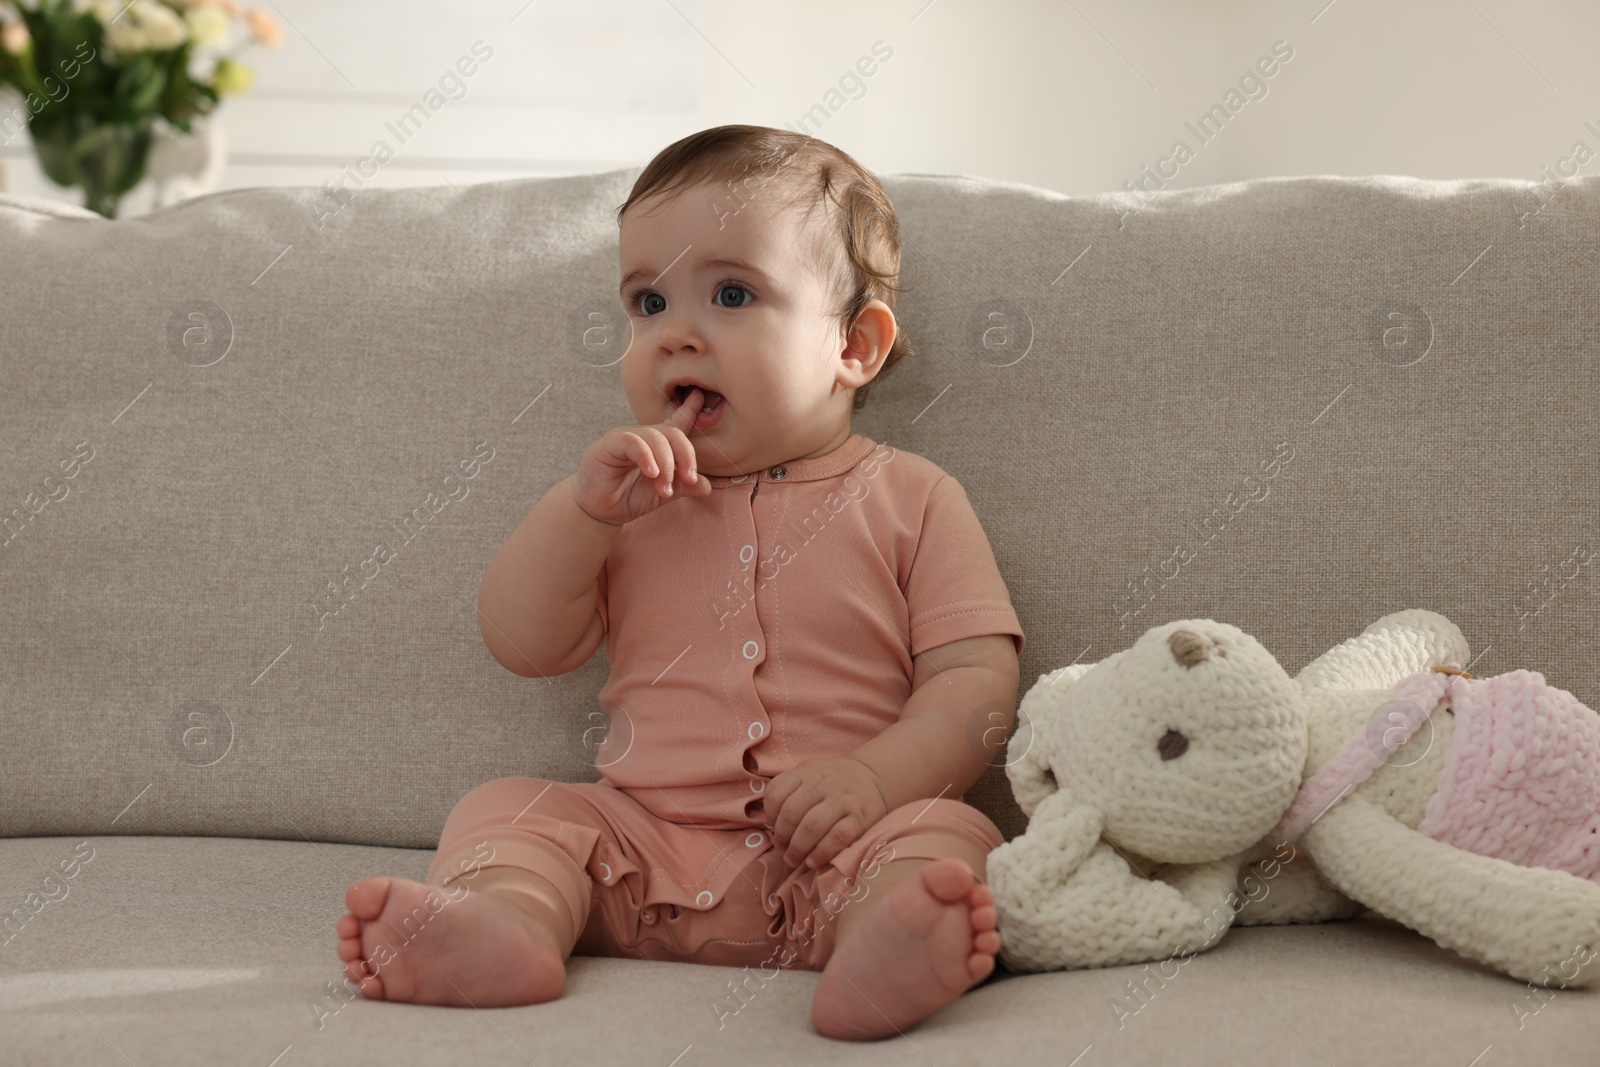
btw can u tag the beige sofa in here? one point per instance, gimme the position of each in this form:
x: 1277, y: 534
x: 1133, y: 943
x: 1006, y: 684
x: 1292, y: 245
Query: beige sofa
x: 222, y: 702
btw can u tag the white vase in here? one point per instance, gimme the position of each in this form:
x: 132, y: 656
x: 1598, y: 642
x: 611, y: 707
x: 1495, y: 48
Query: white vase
x: 184, y: 165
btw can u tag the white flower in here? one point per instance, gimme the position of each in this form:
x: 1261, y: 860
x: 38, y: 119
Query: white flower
x: 125, y: 37
x: 163, y: 25
x: 208, y: 26
x: 140, y: 25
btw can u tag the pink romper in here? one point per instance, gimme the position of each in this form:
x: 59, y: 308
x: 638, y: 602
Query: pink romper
x: 772, y: 621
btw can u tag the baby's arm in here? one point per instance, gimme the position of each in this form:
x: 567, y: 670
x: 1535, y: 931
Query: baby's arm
x: 962, y: 706
x: 539, y: 602
x: 963, y: 702
x: 536, y: 604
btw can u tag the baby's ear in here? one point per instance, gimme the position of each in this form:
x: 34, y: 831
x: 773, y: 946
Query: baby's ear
x: 867, y: 342
x: 1028, y: 751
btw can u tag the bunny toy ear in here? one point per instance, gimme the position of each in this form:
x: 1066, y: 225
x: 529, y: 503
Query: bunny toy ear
x: 1028, y: 751
x: 1389, y: 651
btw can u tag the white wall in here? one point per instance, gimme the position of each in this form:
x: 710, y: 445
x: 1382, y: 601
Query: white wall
x: 1073, y: 97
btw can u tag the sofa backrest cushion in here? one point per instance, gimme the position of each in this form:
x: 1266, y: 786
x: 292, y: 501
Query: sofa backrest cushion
x: 256, y: 450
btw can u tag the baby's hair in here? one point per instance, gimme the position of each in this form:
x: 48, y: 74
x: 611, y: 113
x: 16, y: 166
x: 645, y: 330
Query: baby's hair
x: 862, y: 249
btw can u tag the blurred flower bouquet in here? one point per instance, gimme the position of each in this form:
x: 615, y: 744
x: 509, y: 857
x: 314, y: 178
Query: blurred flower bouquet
x: 95, y: 75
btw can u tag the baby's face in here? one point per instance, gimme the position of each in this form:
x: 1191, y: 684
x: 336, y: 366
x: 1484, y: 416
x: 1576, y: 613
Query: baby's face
x: 733, y: 298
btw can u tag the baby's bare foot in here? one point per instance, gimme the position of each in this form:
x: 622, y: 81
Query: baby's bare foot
x: 928, y: 941
x: 411, y: 942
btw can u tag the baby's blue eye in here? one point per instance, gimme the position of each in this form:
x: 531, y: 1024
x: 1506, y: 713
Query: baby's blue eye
x: 652, y: 303
x: 738, y: 301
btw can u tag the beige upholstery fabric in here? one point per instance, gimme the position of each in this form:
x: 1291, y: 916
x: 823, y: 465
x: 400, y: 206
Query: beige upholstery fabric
x: 1292, y: 404
x: 192, y: 952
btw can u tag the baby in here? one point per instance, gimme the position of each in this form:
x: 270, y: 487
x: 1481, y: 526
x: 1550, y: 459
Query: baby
x: 802, y: 626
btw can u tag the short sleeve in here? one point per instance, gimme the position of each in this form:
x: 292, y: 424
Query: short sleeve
x: 601, y: 607
x: 955, y: 590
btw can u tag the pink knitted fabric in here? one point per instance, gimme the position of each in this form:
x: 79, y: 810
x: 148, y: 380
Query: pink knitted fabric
x: 1390, y: 727
x: 1520, y: 781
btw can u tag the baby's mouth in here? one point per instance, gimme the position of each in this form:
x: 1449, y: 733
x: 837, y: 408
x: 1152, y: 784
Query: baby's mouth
x: 710, y: 413
x: 711, y: 398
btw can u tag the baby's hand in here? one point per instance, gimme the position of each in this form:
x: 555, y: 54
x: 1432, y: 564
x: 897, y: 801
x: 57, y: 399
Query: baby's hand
x: 628, y: 472
x: 820, y: 807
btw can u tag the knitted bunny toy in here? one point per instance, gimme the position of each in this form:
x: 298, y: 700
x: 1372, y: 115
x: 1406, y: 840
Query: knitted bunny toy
x: 1165, y: 778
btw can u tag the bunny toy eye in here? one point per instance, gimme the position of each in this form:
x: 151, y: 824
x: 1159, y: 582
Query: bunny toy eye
x: 1172, y: 745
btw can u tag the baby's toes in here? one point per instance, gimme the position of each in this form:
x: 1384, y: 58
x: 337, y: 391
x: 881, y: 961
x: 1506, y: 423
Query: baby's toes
x: 371, y: 985
x: 349, y: 949
x: 985, y: 936
x: 348, y: 926
x: 366, y: 898
x: 948, y: 880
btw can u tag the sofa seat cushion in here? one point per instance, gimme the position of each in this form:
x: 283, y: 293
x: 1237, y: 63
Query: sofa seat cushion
x: 208, y: 950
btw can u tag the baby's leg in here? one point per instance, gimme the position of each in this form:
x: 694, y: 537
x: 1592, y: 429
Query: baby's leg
x: 922, y: 932
x: 492, y: 926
